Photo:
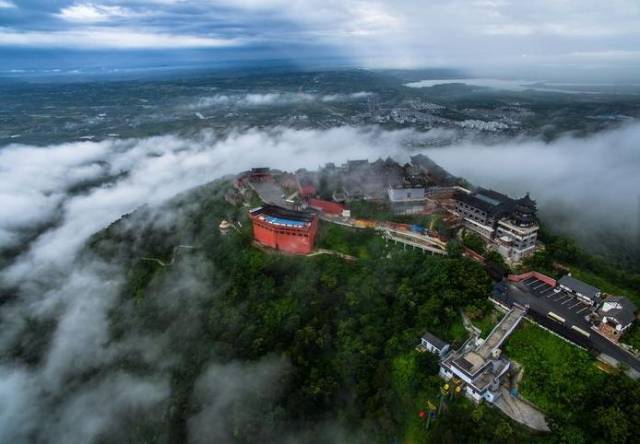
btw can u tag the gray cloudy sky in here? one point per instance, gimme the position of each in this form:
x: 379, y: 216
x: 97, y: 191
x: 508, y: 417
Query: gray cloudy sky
x: 586, y: 35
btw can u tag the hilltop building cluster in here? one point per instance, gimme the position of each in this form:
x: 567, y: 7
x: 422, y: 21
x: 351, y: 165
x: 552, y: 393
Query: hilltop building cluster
x: 417, y: 188
x: 403, y: 197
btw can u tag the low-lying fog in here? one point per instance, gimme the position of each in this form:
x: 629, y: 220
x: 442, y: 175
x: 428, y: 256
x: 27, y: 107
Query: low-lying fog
x: 586, y: 187
x: 53, y: 198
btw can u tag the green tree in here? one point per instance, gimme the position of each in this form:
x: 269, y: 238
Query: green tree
x: 454, y: 248
x: 474, y: 241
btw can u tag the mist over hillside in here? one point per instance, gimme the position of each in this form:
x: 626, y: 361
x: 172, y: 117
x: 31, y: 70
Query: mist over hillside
x: 71, y: 345
x: 585, y: 187
x: 319, y: 221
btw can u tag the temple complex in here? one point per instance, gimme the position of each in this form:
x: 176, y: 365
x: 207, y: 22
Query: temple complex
x: 283, y: 229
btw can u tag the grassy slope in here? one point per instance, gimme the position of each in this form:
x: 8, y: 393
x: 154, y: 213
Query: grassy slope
x: 355, y: 242
x: 553, y: 369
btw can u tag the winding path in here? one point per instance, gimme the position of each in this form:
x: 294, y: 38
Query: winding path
x: 173, y: 256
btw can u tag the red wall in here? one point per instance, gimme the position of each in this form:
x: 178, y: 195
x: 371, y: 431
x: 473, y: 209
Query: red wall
x: 326, y: 206
x: 307, y: 190
x: 542, y: 277
x: 291, y: 240
x: 264, y: 236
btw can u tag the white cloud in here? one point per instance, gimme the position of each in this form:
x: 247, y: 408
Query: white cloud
x: 220, y: 387
x: 6, y: 4
x: 409, y: 33
x: 52, y: 280
x: 273, y: 99
x: 343, y: 97
x: 34, y: 180
x: 89, y: 13
x: 89, y: 414
x: 115, y: 38
x: 586, y: 186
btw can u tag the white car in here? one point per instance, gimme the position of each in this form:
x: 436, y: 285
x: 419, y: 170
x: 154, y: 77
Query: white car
x: 557, y: 290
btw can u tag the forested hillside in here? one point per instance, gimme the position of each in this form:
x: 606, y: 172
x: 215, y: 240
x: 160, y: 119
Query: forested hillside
x: 263, y: 347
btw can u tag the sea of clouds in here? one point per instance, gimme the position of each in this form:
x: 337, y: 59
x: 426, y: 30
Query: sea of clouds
x: 67, y: 192
x: 54, y: 198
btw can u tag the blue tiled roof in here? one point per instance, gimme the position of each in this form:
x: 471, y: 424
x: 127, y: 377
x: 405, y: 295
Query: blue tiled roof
x: 282, y: 221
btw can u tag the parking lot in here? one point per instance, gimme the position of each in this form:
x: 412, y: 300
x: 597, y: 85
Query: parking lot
x: 562, y: 313
x: 560, y: 303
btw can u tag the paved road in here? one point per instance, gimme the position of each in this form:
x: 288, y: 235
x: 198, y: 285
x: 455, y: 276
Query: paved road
x: 521, y: 411
x: 575, y: 327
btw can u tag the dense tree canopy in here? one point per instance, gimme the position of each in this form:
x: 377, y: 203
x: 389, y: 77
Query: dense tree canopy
x: 347, y: 331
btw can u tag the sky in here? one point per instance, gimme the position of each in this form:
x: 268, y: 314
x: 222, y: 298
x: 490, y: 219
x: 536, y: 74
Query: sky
x: 508, y: 36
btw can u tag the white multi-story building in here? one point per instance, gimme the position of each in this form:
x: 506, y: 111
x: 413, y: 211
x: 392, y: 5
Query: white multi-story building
x: 515, y: 242
x: 406, y: 200
x: 510, y: 225
x: 478, y: 363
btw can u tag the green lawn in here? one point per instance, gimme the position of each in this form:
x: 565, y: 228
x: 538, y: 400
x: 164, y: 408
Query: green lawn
x: 457, y: 333
x: 555, y: 372
x: 356, y: 242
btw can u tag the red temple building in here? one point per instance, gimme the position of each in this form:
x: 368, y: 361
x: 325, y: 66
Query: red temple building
x: 283, y: 229
x: 326, y: 206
